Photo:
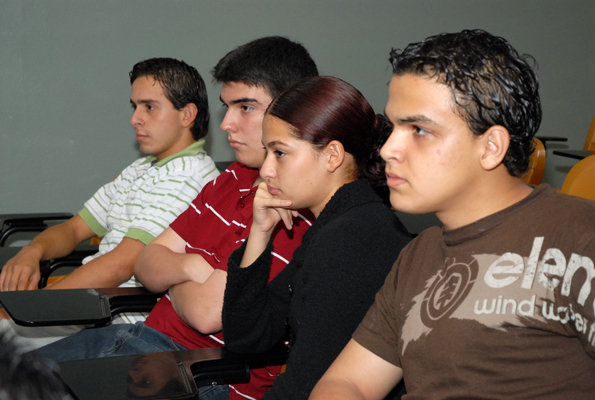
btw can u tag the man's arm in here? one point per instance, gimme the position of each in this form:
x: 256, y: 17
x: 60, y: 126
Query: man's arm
x: 22, y: 271
x: 164, y: 263
x: 106, y: 271
x: 357, y: 373
x: 201, y: 305
x: 195, y: 288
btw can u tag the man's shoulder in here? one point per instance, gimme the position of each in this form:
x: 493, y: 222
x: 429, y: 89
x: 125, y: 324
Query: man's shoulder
x: 140, y: 161
x: 200, y: 161
x: 224, y: 191
x: 579, y: 202
x: 198, y: 165
x: 543, y: 209
x: 555, y: 206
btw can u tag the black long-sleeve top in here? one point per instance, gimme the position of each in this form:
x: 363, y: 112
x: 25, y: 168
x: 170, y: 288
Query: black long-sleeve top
x: 322, y: 294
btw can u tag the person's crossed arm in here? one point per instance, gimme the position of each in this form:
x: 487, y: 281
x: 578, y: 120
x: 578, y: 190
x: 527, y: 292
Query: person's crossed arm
x: 195, y: 288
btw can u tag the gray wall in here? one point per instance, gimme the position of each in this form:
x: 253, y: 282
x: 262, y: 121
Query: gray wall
x: 64, y: 90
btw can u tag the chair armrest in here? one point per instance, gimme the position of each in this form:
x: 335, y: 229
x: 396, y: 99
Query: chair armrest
x: 74, y: 259
x: 75, y: 306
x: 13, y: 223
x: 545, y: 139
x: 123, y: 300
x: 186, y: 370
x: 575, y: 154
x: 228, y: 368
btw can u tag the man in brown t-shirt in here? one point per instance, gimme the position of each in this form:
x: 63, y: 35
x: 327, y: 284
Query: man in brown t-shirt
x: 498, y: 301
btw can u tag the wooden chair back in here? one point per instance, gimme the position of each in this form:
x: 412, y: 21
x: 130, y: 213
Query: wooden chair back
x: 534, y: 174
x: 580, y: 181
x: 590, y: 140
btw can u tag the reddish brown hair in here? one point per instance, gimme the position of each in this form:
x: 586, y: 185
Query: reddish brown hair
x: 323, y: 108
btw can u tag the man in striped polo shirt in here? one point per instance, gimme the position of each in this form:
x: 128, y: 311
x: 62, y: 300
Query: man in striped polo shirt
x: 190, y: 257
x: 170, y: 118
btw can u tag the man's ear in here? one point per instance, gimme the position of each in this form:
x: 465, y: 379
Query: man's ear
x: 495, y: 142
x: 334, y: 155
x: 189, y: 114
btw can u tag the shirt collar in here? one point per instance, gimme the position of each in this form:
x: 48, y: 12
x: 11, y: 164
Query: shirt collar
x: 192, y: 150
x: 486, y: 224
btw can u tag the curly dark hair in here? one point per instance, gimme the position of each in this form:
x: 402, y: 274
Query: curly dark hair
x: 182, y: 85
x: 491, y: 85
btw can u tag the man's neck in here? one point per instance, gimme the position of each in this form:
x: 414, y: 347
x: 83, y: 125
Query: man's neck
x: 485, y: 201
x: 182, y: 144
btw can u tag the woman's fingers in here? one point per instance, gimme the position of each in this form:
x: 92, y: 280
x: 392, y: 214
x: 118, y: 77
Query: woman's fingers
x: 268, y: 210
x: 286, y: 217
x: 274, y: 203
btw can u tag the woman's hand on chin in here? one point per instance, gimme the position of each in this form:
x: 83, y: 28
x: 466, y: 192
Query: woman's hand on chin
x: 268, y: 211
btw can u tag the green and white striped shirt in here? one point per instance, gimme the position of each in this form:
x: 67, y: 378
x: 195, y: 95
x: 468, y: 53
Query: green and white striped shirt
x: 146, y: 197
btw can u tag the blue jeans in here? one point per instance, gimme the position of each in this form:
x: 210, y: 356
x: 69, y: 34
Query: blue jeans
x: 112, y: 340
x: 121, y: 340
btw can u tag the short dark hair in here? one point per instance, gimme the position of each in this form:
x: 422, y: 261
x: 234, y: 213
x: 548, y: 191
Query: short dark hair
x: 491, y: 84
x: 27, y: 376
x: 322, y: 109
x: 273, y: 63
x: 182, y: 85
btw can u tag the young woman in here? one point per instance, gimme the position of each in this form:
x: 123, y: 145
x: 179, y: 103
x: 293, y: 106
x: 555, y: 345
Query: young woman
x: 322, y: 140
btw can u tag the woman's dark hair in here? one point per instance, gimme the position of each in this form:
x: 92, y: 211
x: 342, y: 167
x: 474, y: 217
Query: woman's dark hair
x: 490, y: 82
x: 323, y: 108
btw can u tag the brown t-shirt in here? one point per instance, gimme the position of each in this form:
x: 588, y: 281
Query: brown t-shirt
x: 501, y: 308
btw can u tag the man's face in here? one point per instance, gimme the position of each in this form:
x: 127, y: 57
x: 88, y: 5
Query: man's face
x: 432, y: 158
x: 243, y: 121
x: 158, y: 125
